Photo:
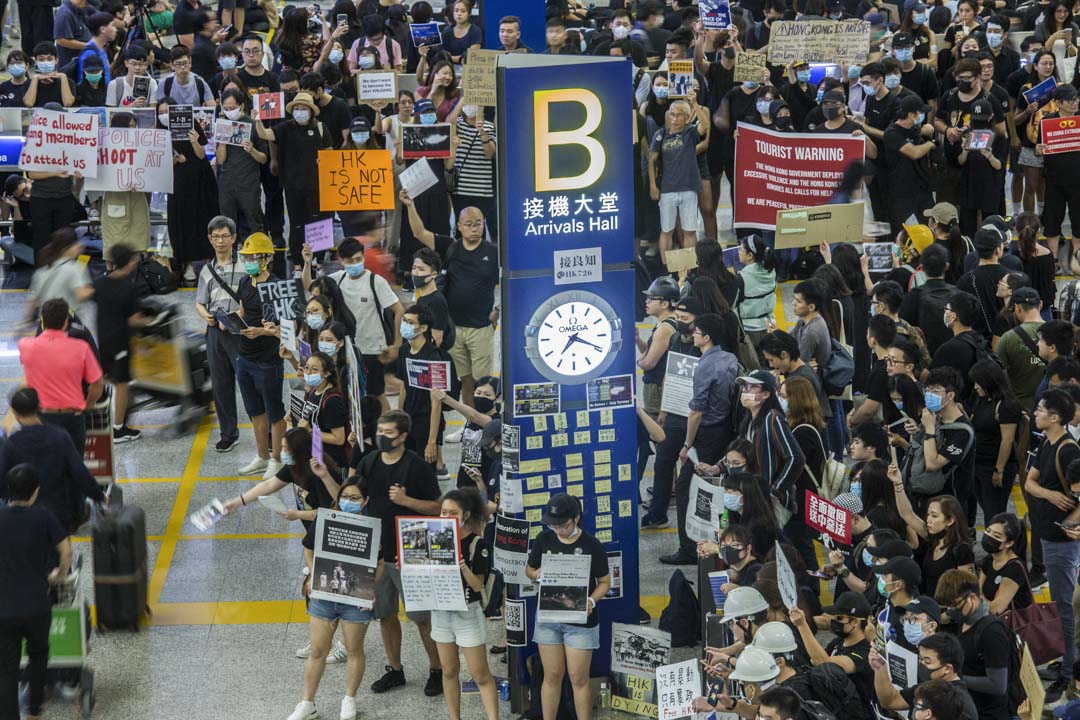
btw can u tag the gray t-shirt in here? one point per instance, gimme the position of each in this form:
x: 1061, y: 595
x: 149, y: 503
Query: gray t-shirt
x: 197, y: 91
x: 805, y: 371
x: 678, y: 159
x: 814, y: 341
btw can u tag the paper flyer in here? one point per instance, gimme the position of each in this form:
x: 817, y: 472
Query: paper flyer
x: 429, y: 552
x: 785, y: 578
x: 514, y: 613
x: 638, y: 649
x: 511, y: 549
x: 615, y: 573
x: 564, y: 588
x: 346, y: 555
x: 272, y: 503
x: 704, y: 510
x: 678, y: 384
x: 428, y: 374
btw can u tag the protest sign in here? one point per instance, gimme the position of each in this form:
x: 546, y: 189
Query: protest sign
x: 355, y: 180
x: 785, y: 578
x: 678, y: 384
x: 564, y: 589
x: 478, y: 77
x: 779, y: 171
x: 749, y: 66
x: 376, y: 85
x: 1033, y: 686
x: 511, y: 549
x: 181, y: 121
x: 879, y: 256
x: 281, y: 300
x: 510, y: 492
x: 207, y: 516
x: 676, y: 687
x: 615, y: 575
x: 717, y: 580
x: 425, y: 34
x: 269, y: 106
x: 133, y: 159
x: 1035, y: 95
x: 634, y: 694
x: 1060, y: 135
x: 231, y: 132
x: 288, y: 335
x: 638, y: 649
x: 704, y: 509
x: 537, y: 399
x: 514, y: 614
x: 319, y: 235
x: 430, y: 555
x: 823, y: 516
x: 317, y: 445
x: 430, y: 141
x: 811, y: 226
x: 978, y: 139
x: 903, y: 665
x: 428, y: 374
x: 417, y: 178
x: 511, y: 444
x: 821, y: 41
x: 140, y: 87
x: 204, y: 120
x: 681, y: 259
x: 230, y: 322
x: 61, y: 142
x: 300, y: 408
x: 680, y: 77
x: 609, y: 393
x: 715, y: 14
x: 346, y: 554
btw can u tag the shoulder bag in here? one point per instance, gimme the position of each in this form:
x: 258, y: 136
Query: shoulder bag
x: 1038, y: 625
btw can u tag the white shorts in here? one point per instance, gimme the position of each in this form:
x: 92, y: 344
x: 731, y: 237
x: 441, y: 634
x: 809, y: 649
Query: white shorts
x: 683, y: 205
x: 467, y: 628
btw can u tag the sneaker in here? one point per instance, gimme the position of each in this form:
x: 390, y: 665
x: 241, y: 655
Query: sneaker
x: 497, y: 649
x: 256, y: 466
x: 337, y: 654
x: 454, y: 437
x: 1055, y: 689
x: 433, y: 686
x: 224, y: 445
x: 648, y: 523
x: 678, y: 559
x: 305, y: 710
x: 348, y: 708
x: 442, y: 474
x: 390, y: 680
x: 125, y: 434
x: 1038, y: 580
x: 644, y: 618
x: 304, y: 652
x: 272, y: 467
x: 1051, y: 672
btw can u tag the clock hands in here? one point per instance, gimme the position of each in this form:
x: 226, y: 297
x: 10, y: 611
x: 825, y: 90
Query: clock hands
x: 575, y: 339
x: 586, y: 342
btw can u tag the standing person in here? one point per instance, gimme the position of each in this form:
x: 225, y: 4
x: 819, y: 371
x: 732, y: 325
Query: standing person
x: 1061, y: 184
x: 218, y: 292
x: 399, y: 482
x: 781, y: 352
x: 800, y: 400
x: 1018, y: 349
x: 758, y: 304
x: 907, y: 144
x: 183, y: 85
x: 982, y: 281
x: 466, y: 629
x: 996, y: 418
x: 121, y: 92
x: 474, y: 163
x: 32, y: 538
x: 475, y: 463
x: 125, y: 214
x: 810, y: 303
x: 239, y: 168
x: 323, y: 390
x: 675, y: 148
x: 1026, y: 118
x: 660, y: 299
x: 567, y: 648
x: 427, y: 418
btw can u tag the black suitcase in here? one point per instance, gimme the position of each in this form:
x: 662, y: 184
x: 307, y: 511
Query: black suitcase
x: 120, y: 581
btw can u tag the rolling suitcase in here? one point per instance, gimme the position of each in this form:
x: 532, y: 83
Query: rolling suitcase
x: 119, y: 537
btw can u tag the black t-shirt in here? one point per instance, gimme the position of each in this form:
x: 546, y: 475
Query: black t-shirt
x: 986, y: 645
x: 877, y: 389
x: 418, y: 400
x: 117, y: 300
x: 311, y: 494
x: 31, y: 535
x: 906, y: 177
x: 335, y: 116
x: 1013, y: 570
x: 955, y: 556
x: 298, y: 152
x: 11, y: 95
x: 49, y: 92
x: 472, y: 455
x: 970, y: 711
x: 960, y: 352
x: 846, y: 129
x: 863, y: 676
x: 1044, y: 514
x: 266, y: 83
x: 436, y: 303
x: 921, y: 81
x: 951, y: 446
x: 982, y: 283
x: 410, y: 472
x: 332, y: 412
x: 184, y: 17
x: 86, y: 95
x: 584, y: 544
x: 479, y: 562
x: 721, y: 80
x: 987, y: 419
x: 879, y: 113
x: 263, y: 349
x: 471, y: 277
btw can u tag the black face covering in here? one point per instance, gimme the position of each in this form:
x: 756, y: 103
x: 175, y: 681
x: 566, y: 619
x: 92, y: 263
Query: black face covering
x: 837, y: 628
x: 782, y: 123
x: 991, y: 544
x: 830, y: 113
x: 483, y: 405
x: 964, y: 85
x: 683, y: 327
x: 384, y: 443
x: 729, y: 53
x: 730, y: 555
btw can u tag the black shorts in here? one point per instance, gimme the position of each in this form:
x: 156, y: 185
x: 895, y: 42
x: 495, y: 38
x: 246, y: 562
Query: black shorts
x: 374, y: 374
x: 116, y: 362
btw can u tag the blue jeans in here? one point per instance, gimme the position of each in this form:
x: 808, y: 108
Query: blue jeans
x: 577, y: 637
x: 836, y: 430
x: 1062, y: 559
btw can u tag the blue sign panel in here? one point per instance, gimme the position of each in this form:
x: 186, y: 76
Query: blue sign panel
x: 532, y: 13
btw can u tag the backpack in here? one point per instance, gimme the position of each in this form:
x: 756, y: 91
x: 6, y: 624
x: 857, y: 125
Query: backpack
x: 834, y: 693
x: 682, y: 616
x: 1016, y: 693
x: 153, y: 278
x: 200, y: 86
x: 839, y: 370
x: 931, y: 482
x: 489, y: 579
x: 1068, y: 302
x: 566, y: 710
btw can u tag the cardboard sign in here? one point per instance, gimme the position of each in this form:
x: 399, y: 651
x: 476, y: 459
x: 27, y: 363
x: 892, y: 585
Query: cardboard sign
x: 823, y: 516
x: 1060, y: 135
x: 425, y: 34
x: 821, y: 41
x: 269, y: 106
x: 809, y: 227
x: 61, y: 142
x: 681, y: 259
x: 181, y: 121
x: 1029, y: 678
x: 680, y: 77
x: 355, y: 180
x: 749, y: 66
x: 715, y: 14
x: 376, y: 85
x: 478, y: 77
x: 426, y: 141
x: 231, y: 132
x: 133, y: 159
x: 319, y: 235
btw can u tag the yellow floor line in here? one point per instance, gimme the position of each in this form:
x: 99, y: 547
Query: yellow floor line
x: 781, y: 318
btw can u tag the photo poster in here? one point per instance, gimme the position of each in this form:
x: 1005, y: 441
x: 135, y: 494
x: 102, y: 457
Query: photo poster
x: 639, y: 649
x: 615, y: 572
x: 785, y: 578
x: 715, y: 14
x: 537, y: 399
x: 511, y: 549
x: 515, y: 616
x: 425, y: 34
x: 717, y: 580
x: 564, y: 589
x: 676, y: 687
x: 704, y: 509
x: 281, y: 300
x: 429, y: 553
x: 978, y: 139
x: 610, y: 393
x: 426, y: 141
x: 140, y: 87
x: 428, y: 374
x: 133, y: 160
x: 269, y: 106
x: 181, y: 121
x: 1037, y: 94
x: 376, y: 86
x: 346, y: 555
x: 231, y: 132
x: 680, y: 77
x: 903, y: 665
x: 61, y: 142
x: 511, y: 455
x: 678, y: 384
x: 301, y: 409
x: 204, y: 118
x: 879, y: 256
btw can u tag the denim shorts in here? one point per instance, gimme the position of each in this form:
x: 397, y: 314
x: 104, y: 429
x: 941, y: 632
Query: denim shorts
x: 261, y: 388
x: 330, y: 611
x: 576, y: 637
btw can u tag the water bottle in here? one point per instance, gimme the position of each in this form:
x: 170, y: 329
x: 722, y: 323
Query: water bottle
x: 504, y: 689
x: 605, y: 695
x: 724, y: 519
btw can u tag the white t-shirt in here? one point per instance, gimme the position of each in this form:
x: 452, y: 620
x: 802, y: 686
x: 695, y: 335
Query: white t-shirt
x: 120, y: 92
x: 59, y: 281
x: 356, y: 292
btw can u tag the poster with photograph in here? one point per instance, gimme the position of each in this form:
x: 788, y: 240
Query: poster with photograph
x: 204, y: 119
x: 564, y: 589
x: 609, y: 393
x: 639, y: 649
x: 181, y: 121
x: 704, y: 510
x: 511, y: 454
x: 511, y: 549
x: 537, y: 399
x: 428, y: 374
x: 680, y: 77
x: 429, y: 552
x: 346, y: 555
x: 426, y: 141
x: 232, y: 132
x: 514, y: 613
x: 879, y: 256
x: 615, y: 573
x: 269, y: 106
x: 425, y: 34
x: 678, y: 384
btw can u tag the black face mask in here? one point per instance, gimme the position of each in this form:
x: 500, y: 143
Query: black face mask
x: 782, y: 123
x: 925, y: 674
x: 683, y: 327
x: 491, y: 452
x: 830, y: 113
x: 420, y: 281
x: 729, y: 53
x: 384, y: 443
x: 483, y: 405
x: 991, y: 544
x: 730, y: 555
x: 964, y: 85
x: 837, y: 628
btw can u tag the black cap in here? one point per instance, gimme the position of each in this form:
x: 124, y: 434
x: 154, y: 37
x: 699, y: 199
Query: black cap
x: 759, y: 377
x: 834, y: 4
x: 491, y: 434
x: 987, y: 239
x: 911, y: 104
x: 776, y: 106
x: 833, y: 96
x: 902, y: 40
x: 92, y: 62
x: 1026, y: 296
x: 981, y: 110
x: 925, y: 604
x: 1065, y: 92
x: 890, y: 549
x: 691, y: 305
x: 359, y: 124
x: 904, y: 568
x: 560, y: 508
x: 849, y: 603
x: 1001, y: 223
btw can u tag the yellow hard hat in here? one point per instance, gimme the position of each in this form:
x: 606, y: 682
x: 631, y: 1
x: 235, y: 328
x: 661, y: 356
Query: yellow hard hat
x: 920, y: 237
x: 257, y: 244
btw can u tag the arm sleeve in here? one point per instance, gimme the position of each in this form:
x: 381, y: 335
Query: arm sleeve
x: 995, y: 682
x: 76, y: 470
x: 91, y: 368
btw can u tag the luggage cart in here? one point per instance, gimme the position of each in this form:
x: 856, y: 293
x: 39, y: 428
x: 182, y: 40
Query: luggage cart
x: 98, y: 455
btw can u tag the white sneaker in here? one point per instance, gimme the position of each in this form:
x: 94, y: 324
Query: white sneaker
x: 305, y: 710
x: 348, y: 708
x: 304, y: 652
x: 256, y: 466
x: 454, y: 437
x: 272, y: 467
x: 337, y: 654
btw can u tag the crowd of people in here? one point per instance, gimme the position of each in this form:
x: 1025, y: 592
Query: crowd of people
x: 914, y: 397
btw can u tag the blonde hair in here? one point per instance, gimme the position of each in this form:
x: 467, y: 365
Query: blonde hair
x: 803, y: 408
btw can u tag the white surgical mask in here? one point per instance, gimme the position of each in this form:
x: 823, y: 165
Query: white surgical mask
x: 619, y: 32
x: 469, y: 110
x: 233, y: 114
x: 336, y: 56
x: 366, y: 62
x: 301, y: 115
x: 163, y: 118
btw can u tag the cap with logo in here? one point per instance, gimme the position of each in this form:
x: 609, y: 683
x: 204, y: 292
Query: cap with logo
x: 560, y: 508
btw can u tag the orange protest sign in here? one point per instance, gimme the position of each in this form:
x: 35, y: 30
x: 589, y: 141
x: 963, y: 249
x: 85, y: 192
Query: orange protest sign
x: 355, y: 180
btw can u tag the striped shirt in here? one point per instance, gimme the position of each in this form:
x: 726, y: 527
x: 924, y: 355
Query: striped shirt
x: 476, y: 172
x: 211, y: 294
x: 779, y: 456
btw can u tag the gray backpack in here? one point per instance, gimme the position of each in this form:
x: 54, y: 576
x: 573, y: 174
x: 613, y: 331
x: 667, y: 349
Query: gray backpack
x: 931, y: 482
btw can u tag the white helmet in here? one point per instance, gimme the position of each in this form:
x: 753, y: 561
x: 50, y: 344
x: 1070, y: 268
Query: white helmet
x: 755, y: 665
x: 743, y: 601
x: 775, y: 637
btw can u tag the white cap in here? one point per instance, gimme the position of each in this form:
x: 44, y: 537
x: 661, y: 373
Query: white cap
x: 755, y: 665
x: 743, y: 601
x: 775, y: 637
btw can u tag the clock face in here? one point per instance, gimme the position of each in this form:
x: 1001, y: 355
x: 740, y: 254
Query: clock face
x: 574, y: 338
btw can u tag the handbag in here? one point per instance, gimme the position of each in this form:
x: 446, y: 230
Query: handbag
x: 833, y: 473
x: 745, y: 352
x: 452, y: 173
x: 1038, y: 625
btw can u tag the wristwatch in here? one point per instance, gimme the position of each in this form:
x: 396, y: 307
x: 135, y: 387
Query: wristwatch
x: 844, y: 573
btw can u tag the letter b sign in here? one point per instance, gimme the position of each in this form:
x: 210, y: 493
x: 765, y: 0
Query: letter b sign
x: 546, y: 138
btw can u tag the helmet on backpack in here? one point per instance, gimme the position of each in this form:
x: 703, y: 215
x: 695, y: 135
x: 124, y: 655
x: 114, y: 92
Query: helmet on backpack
x: 775, y: 638
x: 920, y: 237
x: 743, y: 602
x: 755, y: 665
x: 664, y: 288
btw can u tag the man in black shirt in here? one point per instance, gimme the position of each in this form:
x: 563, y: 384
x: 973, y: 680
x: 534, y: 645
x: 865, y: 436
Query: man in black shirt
x: 850, y: 649
x: 333, y: 112
x: 940, y: 658
x: 184, y: 17
x: 983, y: 280
x: 257, y: 79
x: 32, y: 540
x: 880, y: 335
x: 907, y: 143
x: 1006, y: 60
x: 917, y: 77
x: 966, y: 347
x: 834, y: 110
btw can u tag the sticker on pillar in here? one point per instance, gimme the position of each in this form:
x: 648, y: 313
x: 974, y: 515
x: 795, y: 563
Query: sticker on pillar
x: 578, y: 266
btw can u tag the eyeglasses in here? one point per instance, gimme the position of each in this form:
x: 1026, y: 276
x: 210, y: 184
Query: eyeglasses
x: 251, y: 52
x: 891, y: 362
x: 697, y: 332
x: 472, y: 223
x: 219, y: 236
x: 920, y: 706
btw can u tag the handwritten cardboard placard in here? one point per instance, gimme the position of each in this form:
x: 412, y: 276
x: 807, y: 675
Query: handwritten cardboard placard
x: 683, y: 259
x: 355, y: 180
x: 133, y: 159
x: 478, y: 77
x: 819, y: 41
x: 319, y: 235
x: 749, y: 66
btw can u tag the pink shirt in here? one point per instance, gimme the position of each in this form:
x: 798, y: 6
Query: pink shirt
x: 386, y: 62
x: 56, y: 366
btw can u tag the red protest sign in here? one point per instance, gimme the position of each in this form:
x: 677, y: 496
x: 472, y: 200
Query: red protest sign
x: 780, y: 171
x: 823, y: 516
x: 1060, y: 135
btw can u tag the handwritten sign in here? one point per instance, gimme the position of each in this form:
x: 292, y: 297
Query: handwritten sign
x: 281, y: 300
x: 821, y: 41
x: 376, y: 85
x: 785, y: 578
x: 319, y: 235
x: 676, y: 687
x: 133, y: 159
x: 355, y: 180
x: 478, y: 77
x: 1061, y: 135
x: 61, y: 142
x: 749, y: 66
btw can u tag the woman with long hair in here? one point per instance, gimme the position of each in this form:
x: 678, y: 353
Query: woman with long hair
x: 1057, y: 24
x: 945, y: 535
x: 746, y: 503
x: 1026, y: 118
x: 1006, y: 319
x: 464, y: 35
x: 326, y: 286
x: 759, y: 288
x: 907, y: 396
x: 799, y: 400
x: 1038, y: 261
x: 997, y: 419
x: 1003, y: 572
x: 295, y: 46
x: 699, y: 113
x: 879, y: 499
x: 915, y: 23
x: 947, y: 232
x: 710, y: 257
x: 712, y: 300
x: 851, y: 264
x: 442, y: 90
x: 331, y: 410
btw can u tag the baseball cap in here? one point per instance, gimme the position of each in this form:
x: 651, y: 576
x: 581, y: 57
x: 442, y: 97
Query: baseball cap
x: 1026, y: 296
x: 759, y: 377
x: 1065, y: 92
x: 911, y: 104
x: 902, y: 40
x: 423, y: 105
x: 359, y: 124
x: 560, y: 508
x: 943, y: 213
x: 849, y: 603
x: 904, y: 568
x: 925, y: 604
x: 981, y: 110
x: 850, y: 502
x: 987, y: 239
x: 690, y: 305
x: 491, y: 433
x: 1001, y: 223
x: 833, y: 96
x: 890, y: 549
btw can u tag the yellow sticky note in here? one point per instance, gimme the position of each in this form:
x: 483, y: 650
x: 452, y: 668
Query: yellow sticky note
x: 606, y: 435
x: 534, y: 442
x: 602, y: 486
x: 534, y: 531
x: 625, y: 508
x: 606, y: 417
x: 559, y: 440
x: 535, y: 499
x: 603, y: 503
x: 534, y: 514
x: 603, y: 536
x: 576, y: 490
x: 582, y: 418
x: 535, y: 483
x: 603, y: 521
x: 574, y: 475
x: 624, y: 472
x: 560, y: 421
x: 573, y: 460
x: 601, y: 456
x: 540, y: 423
x: 602, y: 471
x: 583, y: 437
x: 534, y: 466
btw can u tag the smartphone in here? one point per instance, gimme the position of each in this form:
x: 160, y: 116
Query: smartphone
x: 818, y: 574
x: 901, y: 421
x: 342, y: 19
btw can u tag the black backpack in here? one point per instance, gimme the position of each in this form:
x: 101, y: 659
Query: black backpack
x: 566, y: 710
x: 835, y: 692
x: 1016, y: 693
x: 200, y: 86
x: 931, y: 311
x: 682, y: 616
x: 153, y: 278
